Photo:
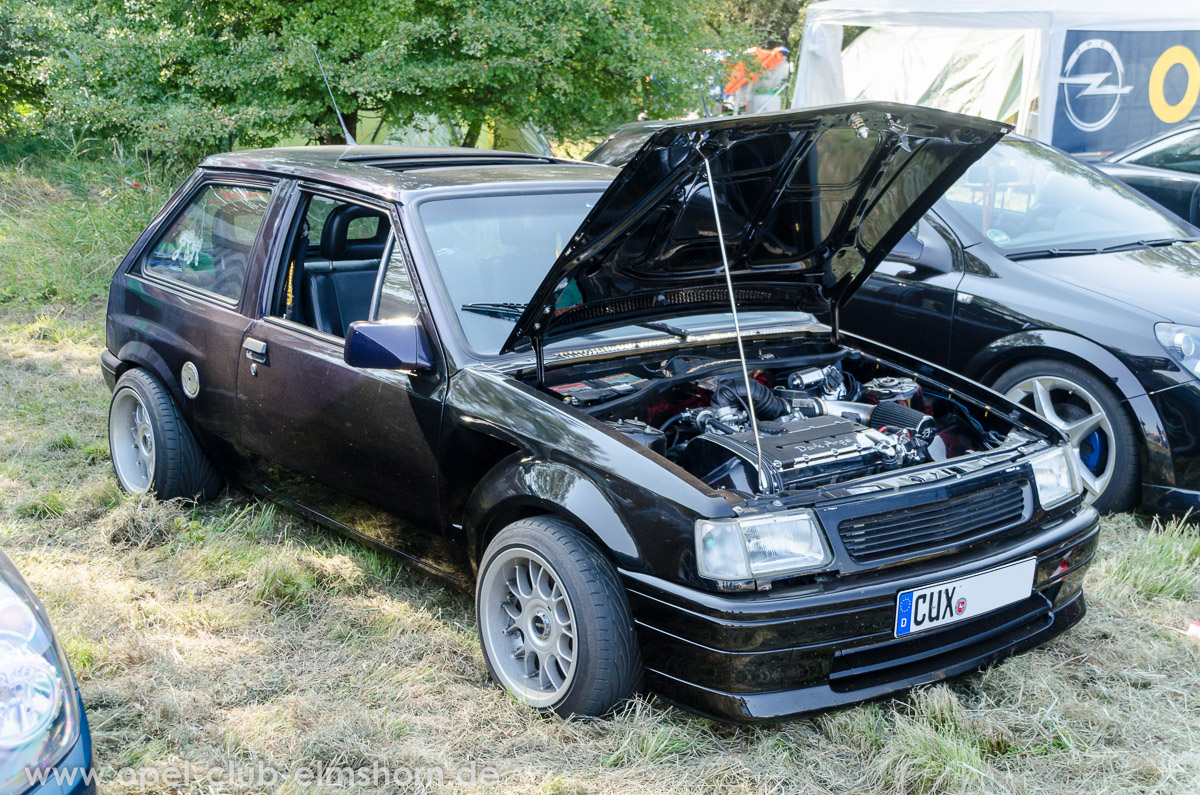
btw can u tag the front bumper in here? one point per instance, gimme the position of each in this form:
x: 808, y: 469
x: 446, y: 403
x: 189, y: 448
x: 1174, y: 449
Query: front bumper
x: 767, y: 657
x: 1171, y: 470
x: 1164, y: 499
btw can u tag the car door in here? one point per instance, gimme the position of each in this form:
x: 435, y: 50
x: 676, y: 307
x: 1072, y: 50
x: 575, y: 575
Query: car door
x: 908, y: 302
x: 184, y: 305
x: 357, y: 447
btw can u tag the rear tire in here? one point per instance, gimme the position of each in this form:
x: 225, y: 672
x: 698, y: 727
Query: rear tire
x: 554, y: 622
x: 1089, y: 411
x: 153, y: 451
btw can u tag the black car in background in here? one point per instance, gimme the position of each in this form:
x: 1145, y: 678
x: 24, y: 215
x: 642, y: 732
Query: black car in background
x: 525, y: 376
x: 1069, y: 293
x: 1061, y: 289
x: 1165, y: 167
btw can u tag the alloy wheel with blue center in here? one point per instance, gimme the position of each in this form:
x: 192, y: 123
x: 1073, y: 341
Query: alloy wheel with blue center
x: 1079, y: 415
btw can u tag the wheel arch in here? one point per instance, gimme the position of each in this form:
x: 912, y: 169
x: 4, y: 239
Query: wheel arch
x: 1154, y: 453
x: 140, y: 354
x: 519, y: 487
x: 1003, y: 354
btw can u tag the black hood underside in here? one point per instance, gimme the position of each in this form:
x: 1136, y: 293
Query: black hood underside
x: 810, y: 202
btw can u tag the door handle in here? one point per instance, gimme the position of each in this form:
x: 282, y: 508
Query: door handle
x: 256, y: 350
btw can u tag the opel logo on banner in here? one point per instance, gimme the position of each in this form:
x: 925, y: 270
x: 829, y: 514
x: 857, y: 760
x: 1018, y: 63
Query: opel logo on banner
x: 1093, y: 84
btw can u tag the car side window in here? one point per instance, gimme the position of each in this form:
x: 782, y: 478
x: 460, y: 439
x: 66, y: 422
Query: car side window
x: 208, y: 244
x: 1179, y: 152
x: 398, y: 297
x: 332, y: 264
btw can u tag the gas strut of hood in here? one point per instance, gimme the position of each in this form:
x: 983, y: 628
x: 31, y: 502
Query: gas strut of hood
x: 764, y: 484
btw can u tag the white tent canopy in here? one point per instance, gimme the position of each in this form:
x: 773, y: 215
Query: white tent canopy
x: 978, y: 72
x: 966, y: 55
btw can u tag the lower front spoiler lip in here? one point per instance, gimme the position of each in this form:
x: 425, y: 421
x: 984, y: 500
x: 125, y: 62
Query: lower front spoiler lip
x: 766, y: 707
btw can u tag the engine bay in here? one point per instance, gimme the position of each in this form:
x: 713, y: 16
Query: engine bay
x: 803, y: 422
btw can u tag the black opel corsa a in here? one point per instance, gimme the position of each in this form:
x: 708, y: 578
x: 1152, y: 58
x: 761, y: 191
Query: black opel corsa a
x: 603, y: 399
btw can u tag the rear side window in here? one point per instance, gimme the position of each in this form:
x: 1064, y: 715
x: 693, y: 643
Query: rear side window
x: 208, y: 245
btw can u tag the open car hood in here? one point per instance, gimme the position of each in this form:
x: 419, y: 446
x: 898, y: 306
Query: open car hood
x: 810, y: 201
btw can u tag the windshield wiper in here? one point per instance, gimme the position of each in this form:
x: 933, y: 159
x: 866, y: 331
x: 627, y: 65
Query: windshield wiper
x: 665, y: 328
x: 507, y: 311
x: 1151, y: 243
x: 1043, y: 253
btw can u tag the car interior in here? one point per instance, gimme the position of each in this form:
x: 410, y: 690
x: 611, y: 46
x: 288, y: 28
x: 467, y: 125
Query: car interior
x: 333, y: 266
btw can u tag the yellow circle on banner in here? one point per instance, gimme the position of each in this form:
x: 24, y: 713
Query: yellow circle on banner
x: 1174, y: 56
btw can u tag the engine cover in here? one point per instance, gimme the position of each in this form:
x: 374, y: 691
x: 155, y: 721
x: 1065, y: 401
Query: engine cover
x: 794, y: 453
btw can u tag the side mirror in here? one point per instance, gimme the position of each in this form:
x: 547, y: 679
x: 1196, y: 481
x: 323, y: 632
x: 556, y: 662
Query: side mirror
x: 388, y: 345
x: 908, y: 249
x: 929, y: 252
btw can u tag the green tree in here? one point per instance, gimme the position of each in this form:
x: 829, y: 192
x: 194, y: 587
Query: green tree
x: 190, y: 75
x: 771, y: 23
x: 23, y: 33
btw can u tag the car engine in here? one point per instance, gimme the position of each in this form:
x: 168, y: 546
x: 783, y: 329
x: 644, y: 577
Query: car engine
x: 828, y: 422
x: 804, y: 438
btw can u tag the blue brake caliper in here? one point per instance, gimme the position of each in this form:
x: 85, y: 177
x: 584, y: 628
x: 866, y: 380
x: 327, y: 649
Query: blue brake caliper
x: 1091, y: 452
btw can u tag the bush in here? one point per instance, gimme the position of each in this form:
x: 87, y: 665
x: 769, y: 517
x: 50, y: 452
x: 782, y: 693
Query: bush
x: 68, y: 215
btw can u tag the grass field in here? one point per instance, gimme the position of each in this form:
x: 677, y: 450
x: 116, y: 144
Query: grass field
x: 236, y: 636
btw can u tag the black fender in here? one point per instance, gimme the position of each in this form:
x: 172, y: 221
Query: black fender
x: 1155, y: 454
x: 510, y: 451
x: 520, y: 486
x: 1001, y: 354
x: 141, y: 354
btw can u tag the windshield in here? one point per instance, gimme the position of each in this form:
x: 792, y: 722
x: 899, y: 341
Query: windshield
x: 496, y: 250
x: 1028, y: 198
x: 492, y: 252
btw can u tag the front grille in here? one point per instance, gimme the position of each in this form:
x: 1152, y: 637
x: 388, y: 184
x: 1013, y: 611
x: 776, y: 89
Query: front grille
x: 966, y: 518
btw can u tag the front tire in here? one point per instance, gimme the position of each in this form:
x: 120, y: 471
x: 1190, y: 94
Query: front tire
x: 554, y: 621
x: 153, y: 451
x: 1089, y: 412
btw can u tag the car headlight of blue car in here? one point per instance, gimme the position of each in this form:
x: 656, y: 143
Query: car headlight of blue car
x: 39, y: 711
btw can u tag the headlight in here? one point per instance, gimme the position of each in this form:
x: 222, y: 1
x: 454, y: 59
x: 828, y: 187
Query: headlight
x: 1182, y: 343
x: 39, y: 713
x: 757, y: 547
x: 1056, y: 475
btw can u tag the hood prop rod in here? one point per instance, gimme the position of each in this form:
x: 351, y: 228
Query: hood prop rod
x: 763, y: 483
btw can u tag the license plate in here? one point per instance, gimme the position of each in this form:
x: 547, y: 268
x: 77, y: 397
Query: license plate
x: 933, y: 606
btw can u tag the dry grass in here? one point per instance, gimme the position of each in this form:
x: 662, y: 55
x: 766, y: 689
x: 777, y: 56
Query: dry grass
x: 235, y: 633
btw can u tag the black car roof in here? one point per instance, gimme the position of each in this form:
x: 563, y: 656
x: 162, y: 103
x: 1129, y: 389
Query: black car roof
x: 399, y: 172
